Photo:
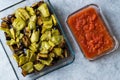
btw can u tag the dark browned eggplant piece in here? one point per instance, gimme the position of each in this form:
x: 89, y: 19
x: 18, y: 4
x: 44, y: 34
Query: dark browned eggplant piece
x: 26, y: 41
x: 4, y: 24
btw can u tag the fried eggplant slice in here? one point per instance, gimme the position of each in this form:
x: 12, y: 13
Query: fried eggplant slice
x: 46, y: 36
x: 18, y: 24
x: 42, y: 56
x: 11, y: 42
x: 27, y: 68
x: 54, y: 20
x: 16, y: 57
x: 44, y: 10
x: 57, y: 39
x: 32, y: 22
x: 22, y: 60
x: 35, y: 36
x: 39, y: 66
x: 46, y: 62
x: 34, y: 47
x: 58, y: 51
x: 22, y: 13
x: 6, y: 30
x: 30, y: 10
x: 45, y: 46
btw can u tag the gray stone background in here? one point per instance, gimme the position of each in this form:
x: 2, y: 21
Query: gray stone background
x: 104, y: 68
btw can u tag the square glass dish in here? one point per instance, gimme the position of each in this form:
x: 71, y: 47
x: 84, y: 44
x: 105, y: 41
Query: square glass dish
x: 92, y: 32
x: 9, y: 53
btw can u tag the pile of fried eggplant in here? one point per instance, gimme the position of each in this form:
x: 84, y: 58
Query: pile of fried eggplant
x: 32, y: 34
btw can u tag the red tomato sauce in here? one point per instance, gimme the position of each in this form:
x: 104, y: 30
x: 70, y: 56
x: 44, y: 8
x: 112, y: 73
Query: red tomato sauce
x: 90, y: 32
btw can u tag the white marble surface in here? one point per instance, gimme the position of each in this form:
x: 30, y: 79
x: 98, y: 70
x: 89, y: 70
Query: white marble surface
x: 7, y: 3
x: 105, y: 68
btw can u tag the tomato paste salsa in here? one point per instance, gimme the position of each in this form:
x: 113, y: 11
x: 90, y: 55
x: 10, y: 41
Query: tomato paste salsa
x: 90, y: 32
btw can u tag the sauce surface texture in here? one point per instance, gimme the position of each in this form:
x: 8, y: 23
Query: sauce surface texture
x: 90, y: 32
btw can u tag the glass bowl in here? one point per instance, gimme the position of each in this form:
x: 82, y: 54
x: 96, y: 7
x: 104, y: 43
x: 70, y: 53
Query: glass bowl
x: 92, y: 32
